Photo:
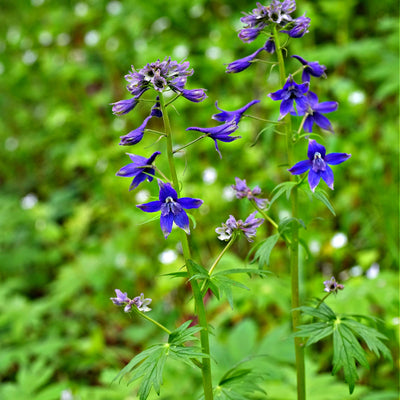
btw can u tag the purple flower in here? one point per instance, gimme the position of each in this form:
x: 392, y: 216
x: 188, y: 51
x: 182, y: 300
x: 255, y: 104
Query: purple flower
x: 332, y: 286
x: 317, y: 164
x: 221, y: 132
x: 248, y: 227
x: 242, y: 63
x: 172, y: 208
x: 124, y: 106
x: 247, y: 35
x: 314, y: 112
x: 229, y: 116
x: 291, y: 92
x: 135, y: 136
x: 270, y: 45
x: 122, y: 299
x: 140, y: 169
x: 243, y: 191
x: 194, y: 95
x: 313, y: 68
x: 300, y: 27
x: 279, y: 12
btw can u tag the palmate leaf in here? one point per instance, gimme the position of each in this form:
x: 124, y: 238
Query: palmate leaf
x: 264, y: 251
x: 149, y: 364
x: 347, y: 332
x: 280, y: 189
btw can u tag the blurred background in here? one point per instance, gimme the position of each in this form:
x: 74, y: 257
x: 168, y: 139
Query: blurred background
x: 69, y: 229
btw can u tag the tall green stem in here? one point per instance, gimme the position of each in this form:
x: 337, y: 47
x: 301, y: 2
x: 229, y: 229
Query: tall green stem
x: 294, y: 246
x: 198, y: 298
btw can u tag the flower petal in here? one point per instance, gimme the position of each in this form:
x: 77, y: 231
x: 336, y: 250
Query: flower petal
x: 188, y: 202
x: 286, y: 107
x: 166, y: 224
x: 322, y: 122
x: 182, y: 220
x: 314, y: 147
x: 326, y: 106
x: 336, y: 158
x: 300, y: 167
x: 152, y: 206
x: 327, y: 176
x: 166, y: 190
x: 313, y: 179
x: 308, y: 123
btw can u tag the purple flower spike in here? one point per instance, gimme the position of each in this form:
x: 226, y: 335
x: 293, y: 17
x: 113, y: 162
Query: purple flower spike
x: 311, y: 68
x: 248, y: 227
x: 315, y: 111
x: 136, y: 135
x: 332, y: 286
x: 317, y: 164
x: 229, y: 116
x: 140, y: 169
x: 243, y: 191
x: 243, y: 63
x: 194, y: 95
x: 221, y: 132
x: 172, y: 208
x: 291, y: 92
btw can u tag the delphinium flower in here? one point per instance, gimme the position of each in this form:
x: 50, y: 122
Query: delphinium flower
x: 311, y: 68
x: 332, y: 286
x: 122, y: 299
x: 248, y: 227
x: 289, y: 94
x: 230, y: 121
x: 160, y: 76
x: 140, y: 169
x: 172, y: 208
x: 245, y: 62
x: 317, y: 164
x: 314, y: 111
x: 243, y: 191
x: 135, y: 136
x: 277, y: 13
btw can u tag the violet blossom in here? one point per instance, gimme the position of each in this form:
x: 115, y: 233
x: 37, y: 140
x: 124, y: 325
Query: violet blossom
x: 231, y: 226
x: 243, y: 191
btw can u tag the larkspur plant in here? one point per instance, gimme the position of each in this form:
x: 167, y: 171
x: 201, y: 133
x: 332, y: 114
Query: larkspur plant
x: 190, y: 342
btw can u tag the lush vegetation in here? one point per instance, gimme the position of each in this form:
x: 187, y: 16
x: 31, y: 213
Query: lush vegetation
x: 70, y: 232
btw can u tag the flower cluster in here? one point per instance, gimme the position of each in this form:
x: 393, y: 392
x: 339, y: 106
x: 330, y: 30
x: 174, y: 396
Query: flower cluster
x: 243, y: 191
x: 275, y: 14
x: 230, y: 121
x: 122, y: 299
x: 248, y: 227
x: 332, y: 286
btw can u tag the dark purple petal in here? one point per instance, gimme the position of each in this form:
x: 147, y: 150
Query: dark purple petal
x: 313, y: 179
x: 242, y: 63
x: 247, y: 35
x: 166, y: 190
x: 194, y: 95
x: 124, y: 106
x: 336, y: 158
x: 322, y: 122
x: 327, y: 176
x: 308, y: 123
x: 270, y: 45
x: 134, y: 136
x: 188, y: 202
x: 300, y: 167
x: 285, y: 108
x: 326, y: 106
x: 152, y: 206
x: 140, y: 178
x: 314, y: 147
x: 182, y: 220
x: 236, y: 115
x: 166, y: 222
x: 278, y: 95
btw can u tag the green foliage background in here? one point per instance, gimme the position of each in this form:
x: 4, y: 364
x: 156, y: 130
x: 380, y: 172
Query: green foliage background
x: 69, y: 229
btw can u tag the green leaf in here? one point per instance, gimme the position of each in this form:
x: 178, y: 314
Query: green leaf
x: 280, y: 189
x: 321, y: 195
x: 198, y: 272
x: 314, y: 332
x: 346, y: 351
x: 264, y: 251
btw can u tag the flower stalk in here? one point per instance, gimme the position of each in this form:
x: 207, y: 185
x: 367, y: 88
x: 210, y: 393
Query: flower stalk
x: 294, y: 245
x: 198, y: 298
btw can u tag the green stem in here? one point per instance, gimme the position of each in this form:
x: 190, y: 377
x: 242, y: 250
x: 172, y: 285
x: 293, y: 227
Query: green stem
x: 198, y: 298
x: 190, y: 143
x: 294, y: 247
x: 145, y: 316
x: 224, y: 250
